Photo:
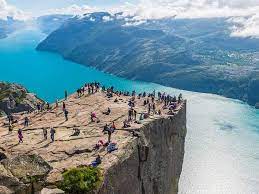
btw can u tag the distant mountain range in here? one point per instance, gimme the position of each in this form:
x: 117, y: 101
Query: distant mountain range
x: 50, y: 23
x: 192, y: 54
x: 8, y: 26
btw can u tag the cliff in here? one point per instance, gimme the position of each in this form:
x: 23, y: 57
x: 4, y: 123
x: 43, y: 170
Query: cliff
x: 197, y: 55
x: 148, y: 160
x: 15, y: 98
x: 153, y: 162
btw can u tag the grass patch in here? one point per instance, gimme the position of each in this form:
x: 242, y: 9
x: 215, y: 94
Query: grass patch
x: 81, y: 180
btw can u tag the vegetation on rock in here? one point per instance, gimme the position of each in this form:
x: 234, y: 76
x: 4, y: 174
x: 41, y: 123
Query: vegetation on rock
x: 81, y: 180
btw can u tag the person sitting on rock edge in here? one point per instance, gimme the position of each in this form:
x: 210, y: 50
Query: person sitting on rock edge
x: 97, y: 161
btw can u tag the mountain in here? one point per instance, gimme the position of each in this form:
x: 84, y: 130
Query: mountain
x: 9, y: 26
x: 49, y: 23
x: 192, y: 54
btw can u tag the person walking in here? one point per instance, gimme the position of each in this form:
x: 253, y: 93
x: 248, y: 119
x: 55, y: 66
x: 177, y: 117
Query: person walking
x: 20, y: 136
x: 52, y: 134
x: 66, y: 114
x: 45, y: 133
x: 26, y: 122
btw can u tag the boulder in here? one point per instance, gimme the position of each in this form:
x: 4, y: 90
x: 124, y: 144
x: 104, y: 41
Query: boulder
x: 24, y: 173
x: 257, y: 105
x: 27, y: 166
x: 51, y: 191
x: 15, y: 98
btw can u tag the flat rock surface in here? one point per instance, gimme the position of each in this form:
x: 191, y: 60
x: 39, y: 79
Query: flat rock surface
x: 71, y: 151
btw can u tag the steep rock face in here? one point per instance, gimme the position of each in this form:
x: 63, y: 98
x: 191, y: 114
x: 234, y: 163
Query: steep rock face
x: 15, y: 98
x: 152, y: 163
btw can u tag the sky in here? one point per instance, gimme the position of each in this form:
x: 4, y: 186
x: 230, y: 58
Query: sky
x: 243, y: 14
x: 39, y: 6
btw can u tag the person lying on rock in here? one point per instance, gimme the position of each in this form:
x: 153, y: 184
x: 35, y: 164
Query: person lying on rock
x: 111, y: 147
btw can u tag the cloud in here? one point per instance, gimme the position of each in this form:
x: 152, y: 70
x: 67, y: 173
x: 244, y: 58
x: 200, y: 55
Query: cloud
x: 73, y: 10
x: 246, y: 27
x: 244, y: 10
x: 7, y: 10
x: 158, y: 9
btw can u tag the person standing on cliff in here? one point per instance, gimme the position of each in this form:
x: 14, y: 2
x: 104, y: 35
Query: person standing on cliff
x: 66, y: 114
x: 57, y: 103
x: 26, y: 122
x: 45, y: 133
x: 64, y: 106
x: 109, y: 135
x: 10, y: 128
x: 20, y: 136
x: 52, y: 134
x: 65, y: 95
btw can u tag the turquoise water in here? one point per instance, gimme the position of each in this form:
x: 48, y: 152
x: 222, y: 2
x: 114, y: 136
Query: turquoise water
x: 222, y: 143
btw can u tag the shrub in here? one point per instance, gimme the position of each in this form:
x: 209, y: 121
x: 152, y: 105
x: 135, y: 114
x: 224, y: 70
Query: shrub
x: 81, y: 180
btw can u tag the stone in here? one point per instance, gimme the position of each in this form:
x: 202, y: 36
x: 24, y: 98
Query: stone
x: 15, y: 98
x: 257, y: 105
x: 26, y: 166
x: 5, y: 190
x: 51, y: 191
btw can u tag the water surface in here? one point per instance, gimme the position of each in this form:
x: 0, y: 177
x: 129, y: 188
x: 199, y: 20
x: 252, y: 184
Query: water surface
x: 222, y: 143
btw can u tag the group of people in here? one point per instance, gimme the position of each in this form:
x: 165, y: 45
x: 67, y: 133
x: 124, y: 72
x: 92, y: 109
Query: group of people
x: 150, y: 103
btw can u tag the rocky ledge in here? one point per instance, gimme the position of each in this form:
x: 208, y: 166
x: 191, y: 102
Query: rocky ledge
x: 15, y: 98
x: 148, y: 159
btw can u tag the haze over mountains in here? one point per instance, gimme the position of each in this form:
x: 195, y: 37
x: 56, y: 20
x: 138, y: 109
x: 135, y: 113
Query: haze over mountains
x: 193, y: 54
x: 9, y: 25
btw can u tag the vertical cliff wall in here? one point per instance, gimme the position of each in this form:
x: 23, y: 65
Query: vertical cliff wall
x: 153, y: 161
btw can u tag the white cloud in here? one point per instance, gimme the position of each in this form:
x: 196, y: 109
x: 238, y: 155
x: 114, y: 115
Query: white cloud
x: 246, y: 27
x: 245, y: 10
x: 73, y: 10
x: 7, y: 10
x: 157, y: 9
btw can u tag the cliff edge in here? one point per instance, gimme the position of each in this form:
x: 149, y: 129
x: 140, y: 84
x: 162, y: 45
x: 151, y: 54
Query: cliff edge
x: 148, y: 158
